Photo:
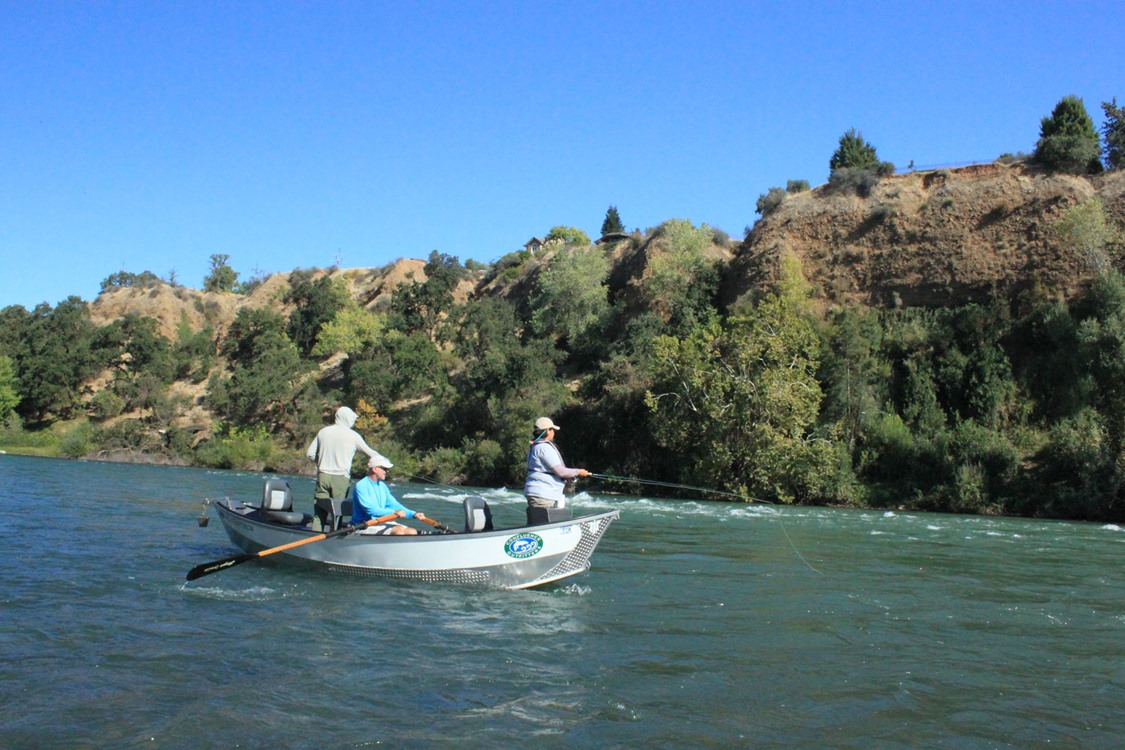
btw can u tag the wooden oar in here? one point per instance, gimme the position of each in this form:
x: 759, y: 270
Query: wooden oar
x: 436, y: 525
x: 214, y: 567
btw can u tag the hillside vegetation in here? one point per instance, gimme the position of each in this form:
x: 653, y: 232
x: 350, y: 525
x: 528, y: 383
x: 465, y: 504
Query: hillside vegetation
x: 943, y: 340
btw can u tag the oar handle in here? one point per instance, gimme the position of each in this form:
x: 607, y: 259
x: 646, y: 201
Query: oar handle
x: 214, y: 567
x: 436, y: 525
x: 338, y: 532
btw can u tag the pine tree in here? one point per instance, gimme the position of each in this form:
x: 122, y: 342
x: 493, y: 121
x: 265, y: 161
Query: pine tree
x: 612, y: 223
x: 1067, y: 139
x: 853, y: 152
x: 1113, y: 131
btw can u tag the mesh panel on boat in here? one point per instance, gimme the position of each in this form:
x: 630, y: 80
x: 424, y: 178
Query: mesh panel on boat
x: 432, y: 576
x: 579, y: 558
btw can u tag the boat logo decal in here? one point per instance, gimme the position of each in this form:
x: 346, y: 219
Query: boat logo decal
x: 522, y: 546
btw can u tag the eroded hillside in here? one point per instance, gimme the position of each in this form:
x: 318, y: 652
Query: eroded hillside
x: 931, y: 238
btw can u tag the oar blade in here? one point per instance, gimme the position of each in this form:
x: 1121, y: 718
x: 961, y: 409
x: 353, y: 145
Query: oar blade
x: 214, y: 567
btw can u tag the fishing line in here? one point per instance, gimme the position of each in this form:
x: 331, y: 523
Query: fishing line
x: 776, y: 515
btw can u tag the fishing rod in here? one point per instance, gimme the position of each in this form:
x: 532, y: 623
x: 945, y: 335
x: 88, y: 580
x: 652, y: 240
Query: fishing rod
x: 635, y: 480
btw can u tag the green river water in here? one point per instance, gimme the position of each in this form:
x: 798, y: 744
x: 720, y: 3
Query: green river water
x: 700, y: 624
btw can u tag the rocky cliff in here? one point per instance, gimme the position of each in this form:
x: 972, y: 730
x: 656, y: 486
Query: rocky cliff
x: 932, y: 238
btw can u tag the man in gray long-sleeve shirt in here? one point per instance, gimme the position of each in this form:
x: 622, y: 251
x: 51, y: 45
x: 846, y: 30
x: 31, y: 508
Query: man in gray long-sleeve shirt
x: 332, y: 451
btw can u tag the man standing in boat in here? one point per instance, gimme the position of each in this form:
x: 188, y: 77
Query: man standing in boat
x: 332, y: 450
x: 546, y: 471
x: 373, y: 499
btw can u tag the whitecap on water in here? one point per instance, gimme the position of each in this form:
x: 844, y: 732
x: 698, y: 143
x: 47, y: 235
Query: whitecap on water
x: 250, y: 594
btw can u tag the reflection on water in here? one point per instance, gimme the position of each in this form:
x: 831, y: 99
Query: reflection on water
x: 700, y: 624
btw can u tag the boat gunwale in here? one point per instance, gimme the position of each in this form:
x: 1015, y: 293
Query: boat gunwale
x: 223, y: 505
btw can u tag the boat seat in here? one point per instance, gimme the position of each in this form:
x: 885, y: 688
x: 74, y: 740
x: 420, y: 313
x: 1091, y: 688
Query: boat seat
x: 332, y: 511
x: 478, y: 516
x: 277, y: 503
x: 539, y: 516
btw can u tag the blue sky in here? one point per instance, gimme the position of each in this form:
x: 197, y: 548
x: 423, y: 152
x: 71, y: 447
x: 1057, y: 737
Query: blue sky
x: 150, y: 135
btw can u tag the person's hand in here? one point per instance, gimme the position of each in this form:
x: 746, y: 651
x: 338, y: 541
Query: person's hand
x: 420, y: 516
x: 583, y: 473
x: 400, y: 514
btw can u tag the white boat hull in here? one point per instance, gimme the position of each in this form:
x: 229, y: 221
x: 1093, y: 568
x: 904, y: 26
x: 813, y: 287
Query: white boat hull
x: 514, y: 558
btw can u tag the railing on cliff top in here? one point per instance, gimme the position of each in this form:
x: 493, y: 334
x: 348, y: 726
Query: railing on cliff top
x: 912, y: 167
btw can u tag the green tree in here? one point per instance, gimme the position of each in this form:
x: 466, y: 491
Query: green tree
x: 396, y: 366
x: 56, y: 357
x: 135, y: 346
x: 351, y: 330
x: 738, y: 401
x: 253, y: 332
x: 1068, y: 141
x: 266, y: 379
x: 568, y: 236
x: 421, y: 306
x: 853, y: 152
x: 1113, y: 132
x: 222, y: 277
x: 852, y: 372
x: 682, y: 281
x: 572, y: 295
x: 495, y: 358
x: 315, y: 303
x: 612, y: 223
x: 194, y: 352
x: 9, y: 393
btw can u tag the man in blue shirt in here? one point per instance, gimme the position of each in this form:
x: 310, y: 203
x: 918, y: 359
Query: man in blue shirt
x: 374, y: 499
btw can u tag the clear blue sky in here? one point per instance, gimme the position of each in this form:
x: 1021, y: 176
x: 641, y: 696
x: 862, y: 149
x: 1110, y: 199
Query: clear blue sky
x: 150, y: 135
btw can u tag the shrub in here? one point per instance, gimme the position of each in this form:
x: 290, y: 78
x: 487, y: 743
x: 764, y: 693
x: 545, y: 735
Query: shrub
x: 125, y: 279
x: 106, y: 404
x: 78, y: 442
x: 796, y: 186
x: 853, y: 180
x: 238, y: 448
x: 769, y: 201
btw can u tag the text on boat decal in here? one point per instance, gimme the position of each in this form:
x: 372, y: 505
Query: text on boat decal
x: 523, y: 545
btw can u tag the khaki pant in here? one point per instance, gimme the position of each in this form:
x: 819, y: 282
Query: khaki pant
x: 331, y: 485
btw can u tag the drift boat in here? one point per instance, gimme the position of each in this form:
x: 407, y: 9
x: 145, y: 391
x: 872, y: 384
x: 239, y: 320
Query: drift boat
x: 511, y: 558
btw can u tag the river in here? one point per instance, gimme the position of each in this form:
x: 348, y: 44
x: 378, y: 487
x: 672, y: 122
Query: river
x: 701, y: 624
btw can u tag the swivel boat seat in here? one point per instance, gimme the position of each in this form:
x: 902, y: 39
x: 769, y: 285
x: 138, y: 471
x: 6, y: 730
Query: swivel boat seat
x: 332, y: 511
x: 478, y: 516
x: 277, y: 503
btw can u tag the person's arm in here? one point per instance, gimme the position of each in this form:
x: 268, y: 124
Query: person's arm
x: 314, y: 448
x: 362, y: 446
